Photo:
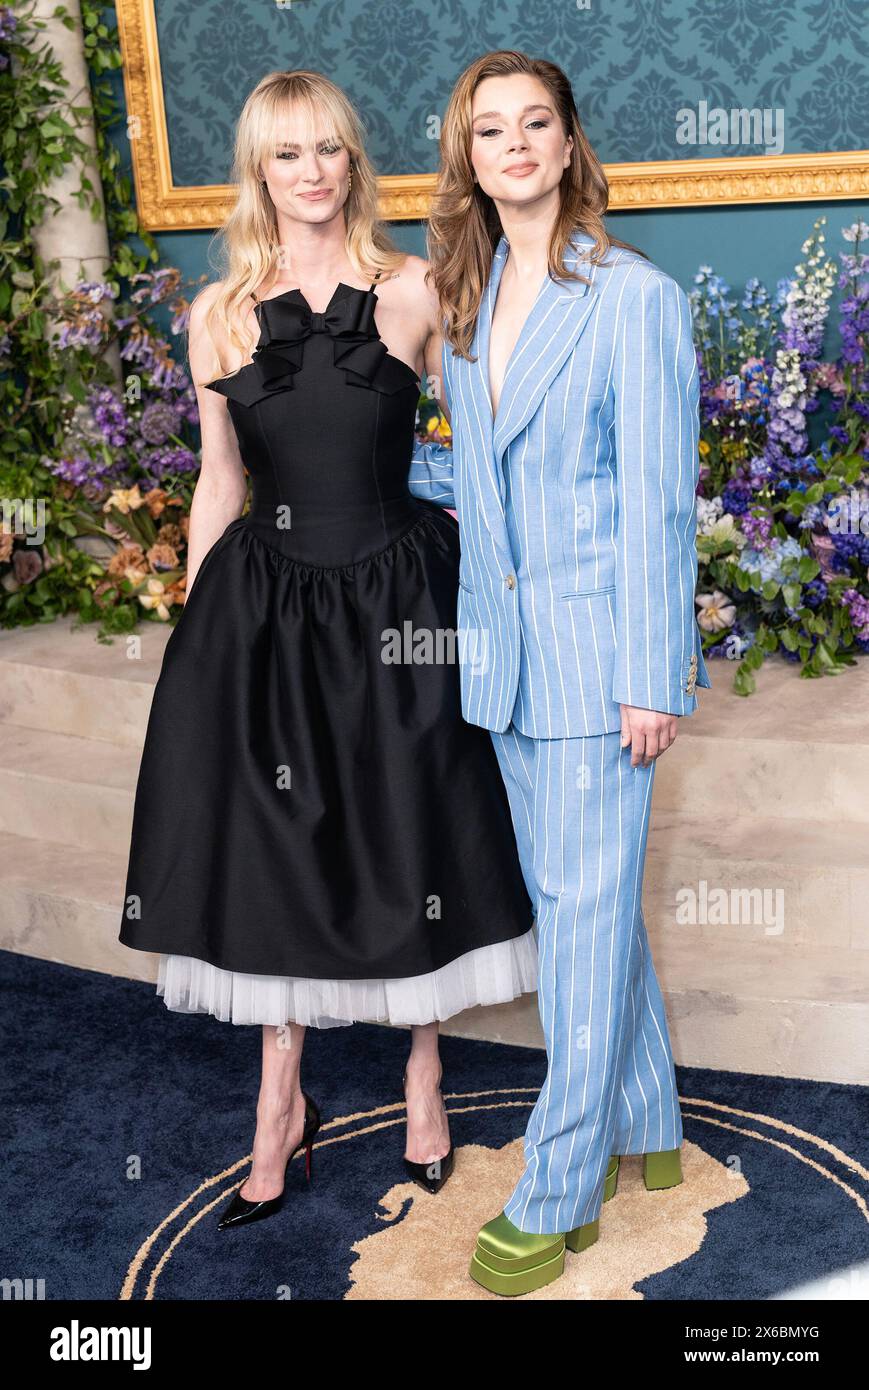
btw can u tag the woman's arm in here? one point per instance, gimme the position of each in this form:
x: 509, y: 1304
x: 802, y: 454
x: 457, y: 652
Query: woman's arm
x: 656, y: 394
x: 431, y: 469
x: 221, y: 488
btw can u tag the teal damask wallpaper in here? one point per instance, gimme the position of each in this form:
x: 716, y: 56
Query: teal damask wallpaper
x: 803, y: 65
x: 635, y: 65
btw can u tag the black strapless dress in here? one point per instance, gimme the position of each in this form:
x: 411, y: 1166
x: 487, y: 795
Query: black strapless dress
x: 318, y: 834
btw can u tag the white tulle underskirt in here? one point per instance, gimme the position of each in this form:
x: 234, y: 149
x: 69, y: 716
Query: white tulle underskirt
x: 488, y: 975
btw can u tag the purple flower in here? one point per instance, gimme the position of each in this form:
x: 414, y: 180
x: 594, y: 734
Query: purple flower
x: 159, y: 421
x: 159, y: 462
x: 848, y: 548
x: 814, y: 593
x: 80, y: 469
x: 110, y: 416
x: 736, y: 497
x: 858, y: 612
x: 757, y: 530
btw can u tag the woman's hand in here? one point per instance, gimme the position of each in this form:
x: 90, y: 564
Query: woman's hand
x: 648, y: 731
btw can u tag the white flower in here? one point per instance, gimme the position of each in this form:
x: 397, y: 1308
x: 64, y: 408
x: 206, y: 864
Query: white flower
x: 717, y: 612
x: 709, y: 509
x: 725, y: 529
x: 858, y: 231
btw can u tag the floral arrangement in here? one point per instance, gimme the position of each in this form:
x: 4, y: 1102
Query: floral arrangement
x: 121, y: 488
x: 783, y: 497
x: 98, y: 449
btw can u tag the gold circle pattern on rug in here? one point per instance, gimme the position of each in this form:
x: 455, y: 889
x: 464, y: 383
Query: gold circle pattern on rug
x: 388, y: 1116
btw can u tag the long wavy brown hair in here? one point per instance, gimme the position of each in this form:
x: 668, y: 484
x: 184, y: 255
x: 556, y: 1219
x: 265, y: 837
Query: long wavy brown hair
x: 248, y: 252
x: 464, y: 227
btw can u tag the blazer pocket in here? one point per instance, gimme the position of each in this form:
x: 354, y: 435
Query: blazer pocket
x: 588, y: 593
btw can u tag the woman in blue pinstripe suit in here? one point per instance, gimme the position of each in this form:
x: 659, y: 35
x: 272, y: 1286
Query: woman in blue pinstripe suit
x: 571, y: 378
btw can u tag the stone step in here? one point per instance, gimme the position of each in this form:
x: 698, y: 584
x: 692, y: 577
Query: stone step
x: 52, y: 676
x: 59, y: 678
x: 63, y: 903
x: 736, y: 775
x: 66, y: 789
x: 797, y: 748
x: 766, y: 1009
x: 809, y: 880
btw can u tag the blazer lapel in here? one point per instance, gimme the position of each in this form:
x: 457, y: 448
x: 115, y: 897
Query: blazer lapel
x: 549, y: 335
x: 478, y: 377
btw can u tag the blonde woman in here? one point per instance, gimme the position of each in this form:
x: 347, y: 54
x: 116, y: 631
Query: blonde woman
x: 319, y: 837
x: 571, y: 376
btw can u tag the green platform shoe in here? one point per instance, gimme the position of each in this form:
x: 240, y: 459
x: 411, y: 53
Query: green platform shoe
x: 581, y: 1237
x: 612, y: 1178
x: 660, y: 1170
x: 509, y: 1261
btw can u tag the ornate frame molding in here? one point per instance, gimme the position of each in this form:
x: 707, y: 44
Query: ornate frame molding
x: 406, y: 197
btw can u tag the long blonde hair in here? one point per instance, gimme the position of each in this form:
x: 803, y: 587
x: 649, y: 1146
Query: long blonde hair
x: 248, y: 250
x: 464, y: 227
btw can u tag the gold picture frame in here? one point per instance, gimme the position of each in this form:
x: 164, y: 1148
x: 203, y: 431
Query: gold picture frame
x: 162, y: 206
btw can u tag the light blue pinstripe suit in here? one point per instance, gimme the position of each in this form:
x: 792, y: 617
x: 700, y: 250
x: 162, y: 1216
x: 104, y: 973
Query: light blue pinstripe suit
x: 577, y: 513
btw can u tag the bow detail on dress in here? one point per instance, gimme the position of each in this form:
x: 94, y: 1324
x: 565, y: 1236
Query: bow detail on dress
x: 286, y: 324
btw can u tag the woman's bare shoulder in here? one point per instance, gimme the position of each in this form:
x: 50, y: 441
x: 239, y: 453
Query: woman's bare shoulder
x: 203, y: 301
x: 211, y: 353
x: 414, y: 287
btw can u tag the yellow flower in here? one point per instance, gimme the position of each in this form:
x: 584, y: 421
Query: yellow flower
x: 124, y: 500
x: 703, y: 448
x: 734, y: 449
x: 155, y: 598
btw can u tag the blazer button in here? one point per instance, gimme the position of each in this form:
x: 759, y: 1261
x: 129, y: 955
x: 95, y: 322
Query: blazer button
x: 510, y: 581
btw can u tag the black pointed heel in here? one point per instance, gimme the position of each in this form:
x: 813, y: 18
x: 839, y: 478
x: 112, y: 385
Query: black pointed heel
x: 430, y: 1176
x: 240, y: 1211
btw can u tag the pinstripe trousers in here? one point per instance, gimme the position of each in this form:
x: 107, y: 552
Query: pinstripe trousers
x: 581, y: 815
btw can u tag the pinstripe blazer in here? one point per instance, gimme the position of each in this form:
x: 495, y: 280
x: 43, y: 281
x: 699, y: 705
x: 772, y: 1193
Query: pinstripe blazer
x: 576, y: 503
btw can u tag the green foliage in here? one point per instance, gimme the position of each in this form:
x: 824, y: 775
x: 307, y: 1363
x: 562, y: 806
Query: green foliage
x: 42, y: 389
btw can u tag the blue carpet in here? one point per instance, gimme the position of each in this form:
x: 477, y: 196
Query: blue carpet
x: 116, y: 1110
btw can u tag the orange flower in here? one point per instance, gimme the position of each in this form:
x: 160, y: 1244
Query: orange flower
x: 124, y: 557
x: 156, y: 501
x: 161, y: 557
x: 170, y: 534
